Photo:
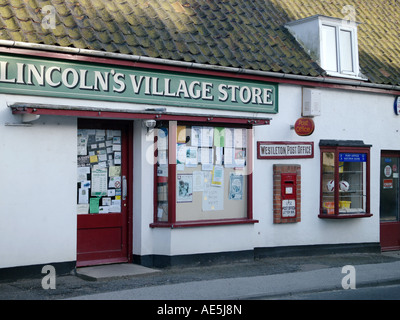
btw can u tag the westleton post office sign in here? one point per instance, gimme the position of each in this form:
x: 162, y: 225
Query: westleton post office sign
x: 284, y: 150
x: 35, y: 76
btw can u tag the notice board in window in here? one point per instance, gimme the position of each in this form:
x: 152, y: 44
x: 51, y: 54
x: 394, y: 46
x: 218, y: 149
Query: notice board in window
x: 211, y: 173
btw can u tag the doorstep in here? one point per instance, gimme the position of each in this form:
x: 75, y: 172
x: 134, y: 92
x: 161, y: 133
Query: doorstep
x: 111, y: 271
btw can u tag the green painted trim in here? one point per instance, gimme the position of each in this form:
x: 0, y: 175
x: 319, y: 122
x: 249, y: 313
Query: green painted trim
x: 66, y: 79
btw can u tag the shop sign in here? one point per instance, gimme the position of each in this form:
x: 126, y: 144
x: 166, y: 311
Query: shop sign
x: 387, y: 184
x: 304, y: 126
x: 70, y: 79
x: 387, y: 171
x: 352, y: 157
x: 397, y: 105
x: 284, y: 150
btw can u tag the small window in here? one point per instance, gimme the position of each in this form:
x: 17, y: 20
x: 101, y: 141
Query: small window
x: 346, y: 51
x: 344, y: 180
x: 202, y: 174
x: 338, y: 48
x: 332, y: 42
x: 329, y: 58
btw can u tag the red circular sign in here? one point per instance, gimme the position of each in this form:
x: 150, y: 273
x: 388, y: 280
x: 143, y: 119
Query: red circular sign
x: 304, y: 126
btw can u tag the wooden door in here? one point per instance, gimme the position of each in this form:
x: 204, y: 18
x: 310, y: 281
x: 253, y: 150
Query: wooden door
x: 103, y: 201
x: 390, y: 201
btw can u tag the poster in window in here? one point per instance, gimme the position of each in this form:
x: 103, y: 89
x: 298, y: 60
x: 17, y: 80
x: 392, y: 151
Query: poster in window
x: 180, y: 153
x: 206, y: 155
x: 83, y: 208
x: 235, y: 187
x: 99, y: 181
x: 229, y: 138
x: 229, y: 157
x: 207, y: 136
x: 219, y: 137
x: 181, y: 134
x: 198, y: 181
x: 184, y: 192
x: 82, y: 145
x: 239, y: 136
x: 162, y: 142
x: 213, y: 198
x: 94, y: 205
x: 240, y: 157
x: 83, y: 161
x: 196, y: 136
x: 191, y: 157
x: 217, y: 176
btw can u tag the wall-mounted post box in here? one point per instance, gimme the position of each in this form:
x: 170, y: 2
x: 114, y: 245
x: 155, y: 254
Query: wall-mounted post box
x: 288, y: 195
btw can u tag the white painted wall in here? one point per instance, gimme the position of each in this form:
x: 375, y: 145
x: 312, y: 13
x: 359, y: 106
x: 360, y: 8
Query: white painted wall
x: 146, y: 241
x: 38, y: 187
x: 345, y: 115
x: 37, y: 190
x: 166, y: 241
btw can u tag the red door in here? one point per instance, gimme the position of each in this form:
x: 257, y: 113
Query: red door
x: 102, y: 193
x: 390, y: 201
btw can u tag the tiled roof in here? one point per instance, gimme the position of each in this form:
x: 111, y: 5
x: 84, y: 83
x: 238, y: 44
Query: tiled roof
x: 378, y: 31
x: 248, y: 34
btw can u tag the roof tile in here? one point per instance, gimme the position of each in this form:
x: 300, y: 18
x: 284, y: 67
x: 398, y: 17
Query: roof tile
x: 236, y: 33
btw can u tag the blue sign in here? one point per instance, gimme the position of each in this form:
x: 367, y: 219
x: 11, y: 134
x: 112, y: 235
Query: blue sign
x: 352, y: 157
x: 397, y: 105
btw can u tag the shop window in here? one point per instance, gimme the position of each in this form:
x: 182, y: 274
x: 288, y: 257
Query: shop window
x: 344, y: 179
x: 100, y: 177
x: 203, y: 174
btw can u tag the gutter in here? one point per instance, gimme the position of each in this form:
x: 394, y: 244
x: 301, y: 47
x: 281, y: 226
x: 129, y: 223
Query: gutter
x: 191, y: 65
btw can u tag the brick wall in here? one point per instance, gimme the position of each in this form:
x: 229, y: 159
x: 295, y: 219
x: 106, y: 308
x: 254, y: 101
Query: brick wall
x: 277, y: 198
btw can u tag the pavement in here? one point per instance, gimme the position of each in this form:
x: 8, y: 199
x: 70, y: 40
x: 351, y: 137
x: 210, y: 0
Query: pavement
x: 263, y: 279
x: 113, y: 271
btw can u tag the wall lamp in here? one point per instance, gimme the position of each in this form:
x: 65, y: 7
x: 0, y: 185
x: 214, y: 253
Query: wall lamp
x: 149, y: 124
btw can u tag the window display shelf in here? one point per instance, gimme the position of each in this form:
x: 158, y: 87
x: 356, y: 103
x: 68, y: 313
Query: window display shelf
x: 344, y: 179
x: 345, y: 215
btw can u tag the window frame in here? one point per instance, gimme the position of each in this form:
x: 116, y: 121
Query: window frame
x: 339, y: 59
x: 336, y: 150
x: 172, y: 178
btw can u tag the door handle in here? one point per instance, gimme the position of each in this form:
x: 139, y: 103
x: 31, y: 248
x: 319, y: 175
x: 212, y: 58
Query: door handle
x: 124, y: 188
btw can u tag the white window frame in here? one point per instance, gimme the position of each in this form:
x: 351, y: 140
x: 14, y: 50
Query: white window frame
x: 339, y: 59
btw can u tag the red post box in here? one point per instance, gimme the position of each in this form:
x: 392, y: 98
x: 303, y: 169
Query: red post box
x: 288, y: 195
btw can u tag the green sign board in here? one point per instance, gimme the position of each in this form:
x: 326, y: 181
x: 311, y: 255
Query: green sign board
x: 70, y: 79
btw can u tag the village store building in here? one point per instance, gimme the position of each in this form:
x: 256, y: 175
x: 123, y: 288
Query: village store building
x: 117, y: 157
